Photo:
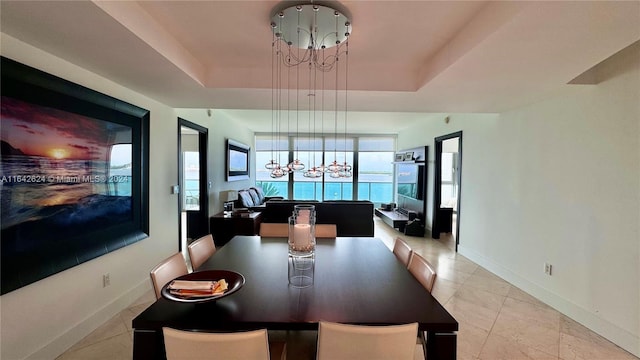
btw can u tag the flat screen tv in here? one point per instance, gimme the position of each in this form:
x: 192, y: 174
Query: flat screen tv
x: 410, y: 180
x: 237, y: 160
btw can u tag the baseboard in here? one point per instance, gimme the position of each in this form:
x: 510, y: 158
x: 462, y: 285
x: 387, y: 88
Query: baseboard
x: 63, y: 342
x: 606, y: 329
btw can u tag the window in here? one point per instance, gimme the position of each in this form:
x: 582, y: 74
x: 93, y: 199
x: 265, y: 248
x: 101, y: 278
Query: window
x: 305, y: 188
x: 264, y: 154
x: 339, y: 150
x: 449, y: 190
x: 339, y: 188
x: 375, y: 169
x: 371, y: 159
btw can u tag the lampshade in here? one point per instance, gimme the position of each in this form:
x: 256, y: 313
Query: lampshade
x: 228, y: 195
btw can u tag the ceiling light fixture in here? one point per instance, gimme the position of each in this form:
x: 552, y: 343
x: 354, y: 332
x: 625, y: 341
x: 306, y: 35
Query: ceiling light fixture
x: 303, y: 35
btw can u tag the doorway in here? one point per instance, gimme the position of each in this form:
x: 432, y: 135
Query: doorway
x: 446, y: 188
x: 193, y: 182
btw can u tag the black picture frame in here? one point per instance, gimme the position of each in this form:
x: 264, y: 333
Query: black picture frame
x: 97, y: 215
x: 237, y: 162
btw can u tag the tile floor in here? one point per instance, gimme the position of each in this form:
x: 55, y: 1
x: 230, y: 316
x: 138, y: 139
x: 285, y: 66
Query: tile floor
x: 497, y: 320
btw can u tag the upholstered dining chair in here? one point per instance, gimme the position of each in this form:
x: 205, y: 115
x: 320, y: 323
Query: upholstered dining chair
x: 167, y: 270
x: 366, y: 342
x: 201, y: 250
x: 282, y: 230
x: 402, y: 251
x: 274, y: 229
x: 423, y: 271
x: 246, y: 345
x: 326, y: 231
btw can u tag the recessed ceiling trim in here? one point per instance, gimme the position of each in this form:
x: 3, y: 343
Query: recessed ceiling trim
x: 491, y: 18
x: 132, y: 16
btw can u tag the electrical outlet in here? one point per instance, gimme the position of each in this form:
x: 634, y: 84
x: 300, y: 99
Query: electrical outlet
x: 547, y: 268
x: 106, y: 280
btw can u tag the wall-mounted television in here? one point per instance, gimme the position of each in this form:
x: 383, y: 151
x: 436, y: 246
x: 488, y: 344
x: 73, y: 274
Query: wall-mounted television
x: 410, y: 180
x: 237, y: 160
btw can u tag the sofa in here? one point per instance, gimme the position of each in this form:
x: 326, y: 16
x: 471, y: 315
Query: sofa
x: 253, y: 199
x: 351, y: 217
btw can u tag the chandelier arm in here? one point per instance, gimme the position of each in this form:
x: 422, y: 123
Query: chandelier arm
x: 323, y: 167
x: 270, y: 163
x: 315, y: 92
x: 312, y: 163
x: 316, y: 27
x: 297, y: 96
x: 297, y: 60
x: 346, y: 93
x: 288, y: 108
x: 279, y: 99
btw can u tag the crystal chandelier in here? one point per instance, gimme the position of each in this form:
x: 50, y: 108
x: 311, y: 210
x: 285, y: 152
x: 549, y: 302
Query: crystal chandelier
x: 314, y: 37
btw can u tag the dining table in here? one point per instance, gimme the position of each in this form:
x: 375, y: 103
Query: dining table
x: 356, y: 280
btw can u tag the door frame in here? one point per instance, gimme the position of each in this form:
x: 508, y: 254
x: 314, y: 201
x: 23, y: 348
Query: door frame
x: 203, y: 138
x: 437, y: 184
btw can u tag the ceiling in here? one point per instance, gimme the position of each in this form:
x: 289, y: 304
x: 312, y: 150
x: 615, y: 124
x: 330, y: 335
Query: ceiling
x: 409, y: 60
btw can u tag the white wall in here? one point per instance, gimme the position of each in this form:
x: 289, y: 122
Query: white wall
x: 41, y: 320
x: 221, y: 127
x: 559, y: 182
x: 424, y: 134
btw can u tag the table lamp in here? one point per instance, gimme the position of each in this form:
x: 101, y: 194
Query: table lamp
x: 228, y: 197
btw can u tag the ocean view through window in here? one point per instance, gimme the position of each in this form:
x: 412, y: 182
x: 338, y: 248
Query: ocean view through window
x: 372, y: 157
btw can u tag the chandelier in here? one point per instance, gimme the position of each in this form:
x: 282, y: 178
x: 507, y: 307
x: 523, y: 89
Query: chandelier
x: 308, y: 38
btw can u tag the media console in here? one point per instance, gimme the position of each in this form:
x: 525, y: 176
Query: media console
x: 394, y: 218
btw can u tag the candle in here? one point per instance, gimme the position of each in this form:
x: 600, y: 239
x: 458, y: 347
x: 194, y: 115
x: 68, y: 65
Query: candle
x: 301, y: 236
x: 303, y: 216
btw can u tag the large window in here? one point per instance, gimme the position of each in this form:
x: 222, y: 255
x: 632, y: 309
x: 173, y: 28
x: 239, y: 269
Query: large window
x: 375, y: 169
x: 268, y: 149
x: 305, y: 188
x: 339, y: 150
x: 449, y: 190
x: 370, y: 156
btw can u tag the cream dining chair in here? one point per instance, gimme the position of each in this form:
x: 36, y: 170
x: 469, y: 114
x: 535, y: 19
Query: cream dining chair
x: 282, y: 230
x: 402, y: 251
x: 246, y: 345
x: 364, y: 342
x: 423, y: 271
x: 167, y: 270
x: 326, y: 231
x: 201, y: 250
x: 274, y: 229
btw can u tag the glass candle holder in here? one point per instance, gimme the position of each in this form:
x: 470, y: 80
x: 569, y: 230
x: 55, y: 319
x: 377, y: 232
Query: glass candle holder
x: 304, y: 212
x: 301, y: 271
x: 302, y: 234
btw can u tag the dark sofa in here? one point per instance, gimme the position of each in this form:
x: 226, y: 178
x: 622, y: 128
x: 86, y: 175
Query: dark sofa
x: 253, y: 199
x: 352, y: 218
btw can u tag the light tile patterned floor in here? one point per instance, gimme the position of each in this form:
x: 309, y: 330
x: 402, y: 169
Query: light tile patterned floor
x: 497, y: 320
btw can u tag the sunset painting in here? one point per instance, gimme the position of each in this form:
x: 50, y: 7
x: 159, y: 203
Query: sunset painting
x: 61, y: 174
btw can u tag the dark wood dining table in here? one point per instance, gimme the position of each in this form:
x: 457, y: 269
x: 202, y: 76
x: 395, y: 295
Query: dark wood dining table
x: 357, y: 280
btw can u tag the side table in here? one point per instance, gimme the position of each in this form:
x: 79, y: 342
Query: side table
x: 225, y: 227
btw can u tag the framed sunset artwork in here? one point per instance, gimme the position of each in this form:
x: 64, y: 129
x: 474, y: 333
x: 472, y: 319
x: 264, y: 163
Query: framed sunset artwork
x: 73, y: 175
